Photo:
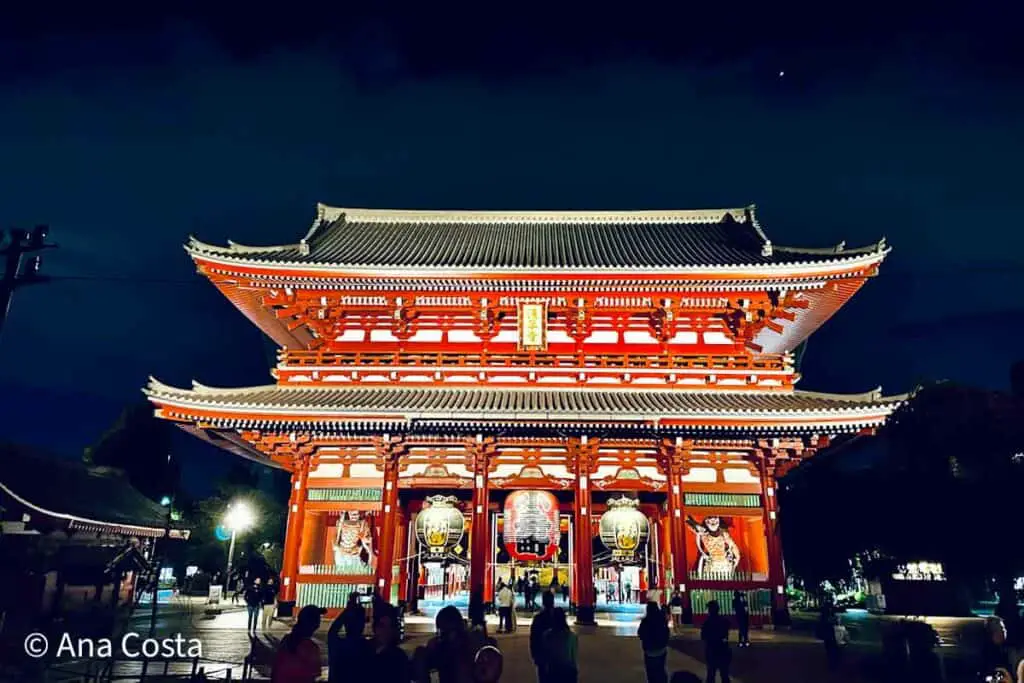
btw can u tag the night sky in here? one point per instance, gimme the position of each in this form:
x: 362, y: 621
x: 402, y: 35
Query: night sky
x: 127, y: 132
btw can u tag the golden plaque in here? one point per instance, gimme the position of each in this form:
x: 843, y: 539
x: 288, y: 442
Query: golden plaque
x: 533, y: 326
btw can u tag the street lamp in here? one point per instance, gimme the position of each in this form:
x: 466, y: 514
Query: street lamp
x: 239, y: 517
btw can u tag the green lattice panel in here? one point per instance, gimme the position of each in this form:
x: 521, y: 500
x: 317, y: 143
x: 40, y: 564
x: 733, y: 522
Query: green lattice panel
x: 327, y: 595
x: 759, y: 601
x: 723, y: 500
x: 365, y: 495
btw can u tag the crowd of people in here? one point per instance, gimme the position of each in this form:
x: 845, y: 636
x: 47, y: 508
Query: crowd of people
x: 457, y: 654
x: 462, y: 652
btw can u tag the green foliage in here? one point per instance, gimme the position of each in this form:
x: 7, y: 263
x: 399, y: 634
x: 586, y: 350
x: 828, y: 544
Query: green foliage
x: 139, y: 444
x: 270, y: 505
x: 944, y: 489
x: 815, y: 525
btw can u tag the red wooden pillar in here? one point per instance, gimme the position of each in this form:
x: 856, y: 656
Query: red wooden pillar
x: 412, y: 590
x: 673, y: 461
x: 480, y: 528
x: 665, y: 554
x: 403, y: 551
x: 584, y: 453
x: 293, y: 537
x: 389, y: 451
x: 769, y: 507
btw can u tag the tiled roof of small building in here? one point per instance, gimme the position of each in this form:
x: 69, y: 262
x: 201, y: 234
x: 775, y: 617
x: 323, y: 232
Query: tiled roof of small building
x: 487, y: 240
x: 68, y: 489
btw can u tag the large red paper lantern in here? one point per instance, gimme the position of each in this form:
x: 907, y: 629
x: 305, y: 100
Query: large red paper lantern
x: 531, y: 525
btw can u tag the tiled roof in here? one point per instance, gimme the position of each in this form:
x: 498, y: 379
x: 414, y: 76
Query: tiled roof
x: 391, y: 403
x: 68, y: 489
x: 465, y: 240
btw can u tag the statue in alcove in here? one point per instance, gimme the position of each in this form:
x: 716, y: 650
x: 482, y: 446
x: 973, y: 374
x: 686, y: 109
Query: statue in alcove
x: 719, y: 554
x: 353, y: 543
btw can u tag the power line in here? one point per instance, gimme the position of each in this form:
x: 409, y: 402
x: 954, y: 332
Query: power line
x: 128, y: 278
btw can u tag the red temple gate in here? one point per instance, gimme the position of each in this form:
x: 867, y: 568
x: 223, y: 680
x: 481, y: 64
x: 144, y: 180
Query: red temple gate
x: 590, y: 356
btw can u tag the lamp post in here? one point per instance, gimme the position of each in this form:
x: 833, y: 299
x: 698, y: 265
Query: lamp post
x: 167, y: 502
x: 239, y: 517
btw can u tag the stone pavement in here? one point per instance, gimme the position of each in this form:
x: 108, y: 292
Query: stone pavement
x: 788, y: 656
x: 608, y: 654
x: 605, y: 655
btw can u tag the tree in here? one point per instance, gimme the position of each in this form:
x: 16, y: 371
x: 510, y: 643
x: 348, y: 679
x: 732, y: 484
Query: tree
x: 819, y: 535
x: 944, y: 490
x: 951, y: 450
x: 139, y: 444
x: 269, y: 503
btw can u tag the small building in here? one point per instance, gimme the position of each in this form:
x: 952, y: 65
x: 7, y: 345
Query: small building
x: 915, y: 588
x: 74, y: 538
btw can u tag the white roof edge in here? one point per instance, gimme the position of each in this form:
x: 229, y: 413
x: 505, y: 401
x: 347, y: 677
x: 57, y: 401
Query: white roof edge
x: 196, y: 247
x: 330, y: 214
x: 75, y: 518
x: 872, y: 396
x: 878, y: 414
x: 839, y: 264
x: 871, y: 402
x: 156, y: 386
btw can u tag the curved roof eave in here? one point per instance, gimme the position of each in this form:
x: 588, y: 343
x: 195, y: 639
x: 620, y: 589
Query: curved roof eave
x: 852, y: 261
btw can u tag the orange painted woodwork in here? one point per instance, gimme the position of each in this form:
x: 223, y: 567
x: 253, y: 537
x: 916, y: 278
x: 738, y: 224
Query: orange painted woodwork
x: 667, y: 337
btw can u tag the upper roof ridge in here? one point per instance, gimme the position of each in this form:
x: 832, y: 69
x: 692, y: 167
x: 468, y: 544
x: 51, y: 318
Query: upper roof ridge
x: 679, y: 241
x: 330, y: 214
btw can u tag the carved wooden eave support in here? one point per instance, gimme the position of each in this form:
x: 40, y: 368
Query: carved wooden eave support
x: 488, y: 320
x: 674, y: 456
x: 403, y: 320
x: 390, y: 451
x: 662, y: 323
x: 582, y: 455
x: 480, y: 452
x: 579, y: 322
x: 284, y: 449
x: 774, y: 463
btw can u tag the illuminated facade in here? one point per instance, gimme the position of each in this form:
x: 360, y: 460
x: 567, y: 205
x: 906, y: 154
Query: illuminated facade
x: 551, y: 361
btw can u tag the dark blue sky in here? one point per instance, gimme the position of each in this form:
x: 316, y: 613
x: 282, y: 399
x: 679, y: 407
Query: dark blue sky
x: 127, y: 138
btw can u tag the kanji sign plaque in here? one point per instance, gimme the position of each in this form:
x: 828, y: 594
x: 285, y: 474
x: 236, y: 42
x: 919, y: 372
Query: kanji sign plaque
x: 533, y: 326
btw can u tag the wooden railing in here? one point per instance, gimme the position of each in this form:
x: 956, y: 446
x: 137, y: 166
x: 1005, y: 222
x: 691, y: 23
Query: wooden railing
x: 533, y: 359
x: 353, y: 569
x: 726, y: 576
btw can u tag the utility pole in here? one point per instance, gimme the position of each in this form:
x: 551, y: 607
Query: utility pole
x: 20, y: 243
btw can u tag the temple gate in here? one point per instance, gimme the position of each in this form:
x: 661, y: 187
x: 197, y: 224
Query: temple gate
x: 523, y: 374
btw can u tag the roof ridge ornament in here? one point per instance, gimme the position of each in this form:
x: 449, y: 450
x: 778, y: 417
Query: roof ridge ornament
x: 766, y: 248
x: 331, y: 214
